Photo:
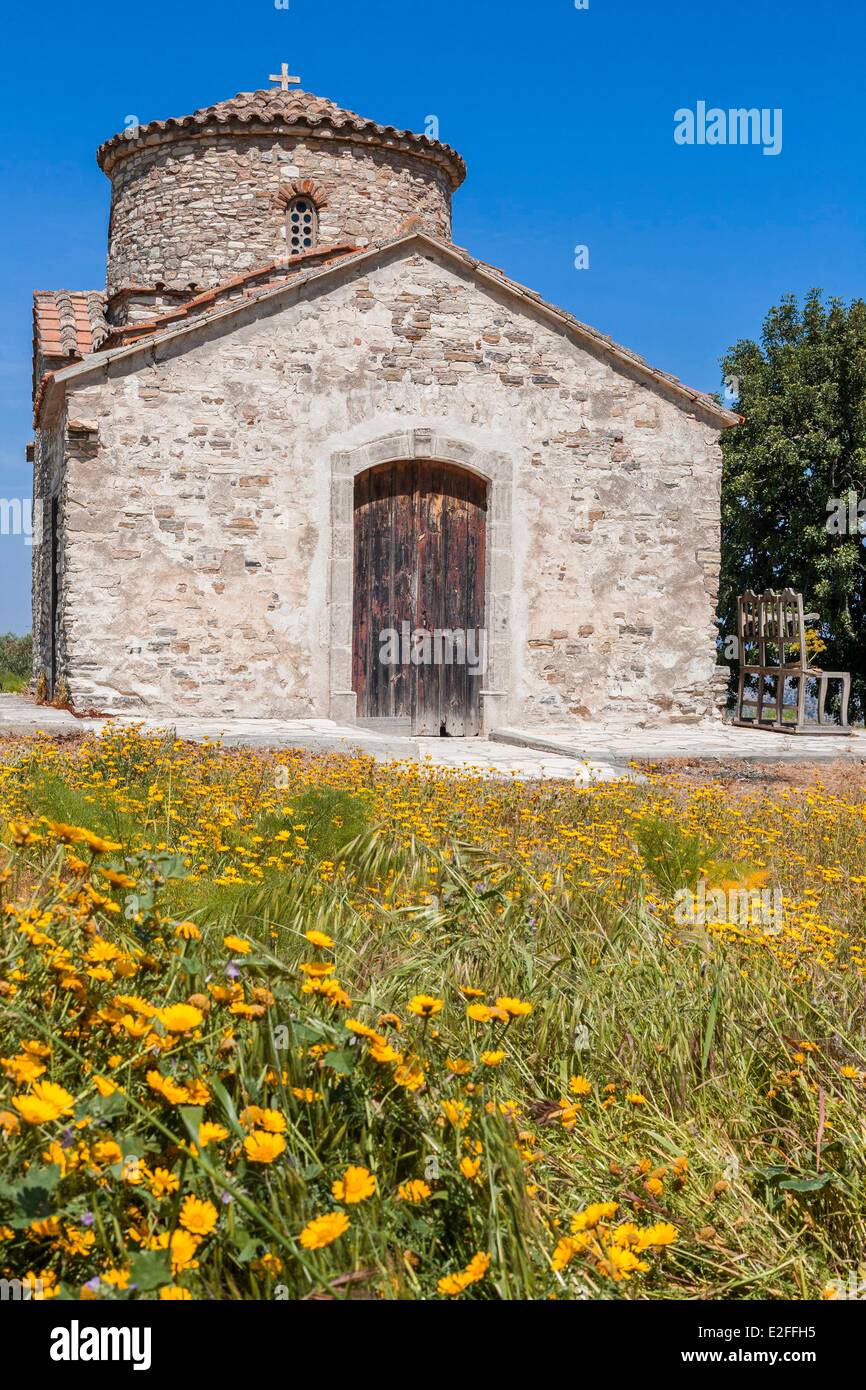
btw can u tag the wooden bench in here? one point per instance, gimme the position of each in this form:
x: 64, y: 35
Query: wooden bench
x: 771, y: 627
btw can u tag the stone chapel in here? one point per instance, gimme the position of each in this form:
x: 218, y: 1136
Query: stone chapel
x: 299, y: 417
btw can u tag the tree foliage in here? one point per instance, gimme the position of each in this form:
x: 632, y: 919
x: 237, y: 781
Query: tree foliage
x: 802, y: 390
x: 16, y: 660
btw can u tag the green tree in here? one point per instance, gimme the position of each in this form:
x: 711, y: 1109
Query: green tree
x: 802, y: 390
x: 16, y: 660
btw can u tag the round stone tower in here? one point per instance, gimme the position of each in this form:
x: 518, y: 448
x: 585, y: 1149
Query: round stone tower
x: 198, y: 200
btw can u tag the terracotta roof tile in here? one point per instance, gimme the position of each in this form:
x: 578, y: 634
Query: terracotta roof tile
x: 251, y: 282
x: 68, y: 323
x: 275, y: 110
x: 44, y: 382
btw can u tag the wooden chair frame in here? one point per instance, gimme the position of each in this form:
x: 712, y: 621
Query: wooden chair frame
x: 774, y: 623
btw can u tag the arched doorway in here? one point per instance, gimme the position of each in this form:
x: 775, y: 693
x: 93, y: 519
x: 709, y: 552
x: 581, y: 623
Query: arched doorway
x: 419, y: 642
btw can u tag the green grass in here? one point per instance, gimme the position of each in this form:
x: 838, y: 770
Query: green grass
x: 11, y: 683
x: 702, y: 1030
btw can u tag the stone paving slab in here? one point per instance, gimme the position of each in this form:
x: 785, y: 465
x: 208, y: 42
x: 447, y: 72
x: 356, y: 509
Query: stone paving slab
x: 490, y: 758
x: 710, y: 742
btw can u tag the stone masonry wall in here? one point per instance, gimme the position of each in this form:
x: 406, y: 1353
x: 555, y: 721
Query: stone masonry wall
x: 58, y: 448
x: 47, y: 476
x: 198, y: 528
x: 200, y: 211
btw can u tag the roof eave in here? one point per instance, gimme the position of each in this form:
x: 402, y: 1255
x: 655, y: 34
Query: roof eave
x: 109, y: 154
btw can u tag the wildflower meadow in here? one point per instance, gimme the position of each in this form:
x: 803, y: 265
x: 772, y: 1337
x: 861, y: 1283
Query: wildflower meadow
x: 277, y: 1026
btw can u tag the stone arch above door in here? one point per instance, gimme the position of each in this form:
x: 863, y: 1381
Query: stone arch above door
x: 497, y: 469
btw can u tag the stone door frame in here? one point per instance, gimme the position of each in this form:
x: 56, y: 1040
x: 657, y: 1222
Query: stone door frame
x: 497, y: 470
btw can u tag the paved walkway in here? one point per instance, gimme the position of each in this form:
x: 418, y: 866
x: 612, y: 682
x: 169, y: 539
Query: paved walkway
x: 582, y: 754
x: 20, y: 716
x: 711, y: 742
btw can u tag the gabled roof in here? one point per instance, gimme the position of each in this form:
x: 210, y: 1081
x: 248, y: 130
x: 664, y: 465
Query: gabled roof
x: 168, y: 329
x: 69, y: 325
x: 282, y: 113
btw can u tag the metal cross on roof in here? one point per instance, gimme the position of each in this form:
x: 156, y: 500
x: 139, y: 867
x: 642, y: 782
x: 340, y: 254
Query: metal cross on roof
x: 283, y: 78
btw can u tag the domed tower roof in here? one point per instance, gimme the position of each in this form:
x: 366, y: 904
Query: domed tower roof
x: 197, y: 200
x: 281, y: 113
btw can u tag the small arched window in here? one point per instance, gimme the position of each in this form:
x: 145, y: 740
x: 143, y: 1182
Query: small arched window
x: 302, y: 225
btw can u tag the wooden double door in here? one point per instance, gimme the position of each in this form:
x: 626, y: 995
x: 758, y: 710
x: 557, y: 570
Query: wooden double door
x: 419, y: 637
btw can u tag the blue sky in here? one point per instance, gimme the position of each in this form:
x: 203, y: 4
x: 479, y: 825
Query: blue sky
x: 565, y: 118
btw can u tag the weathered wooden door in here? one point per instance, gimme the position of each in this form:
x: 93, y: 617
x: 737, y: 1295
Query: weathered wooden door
x: 419, y: 639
